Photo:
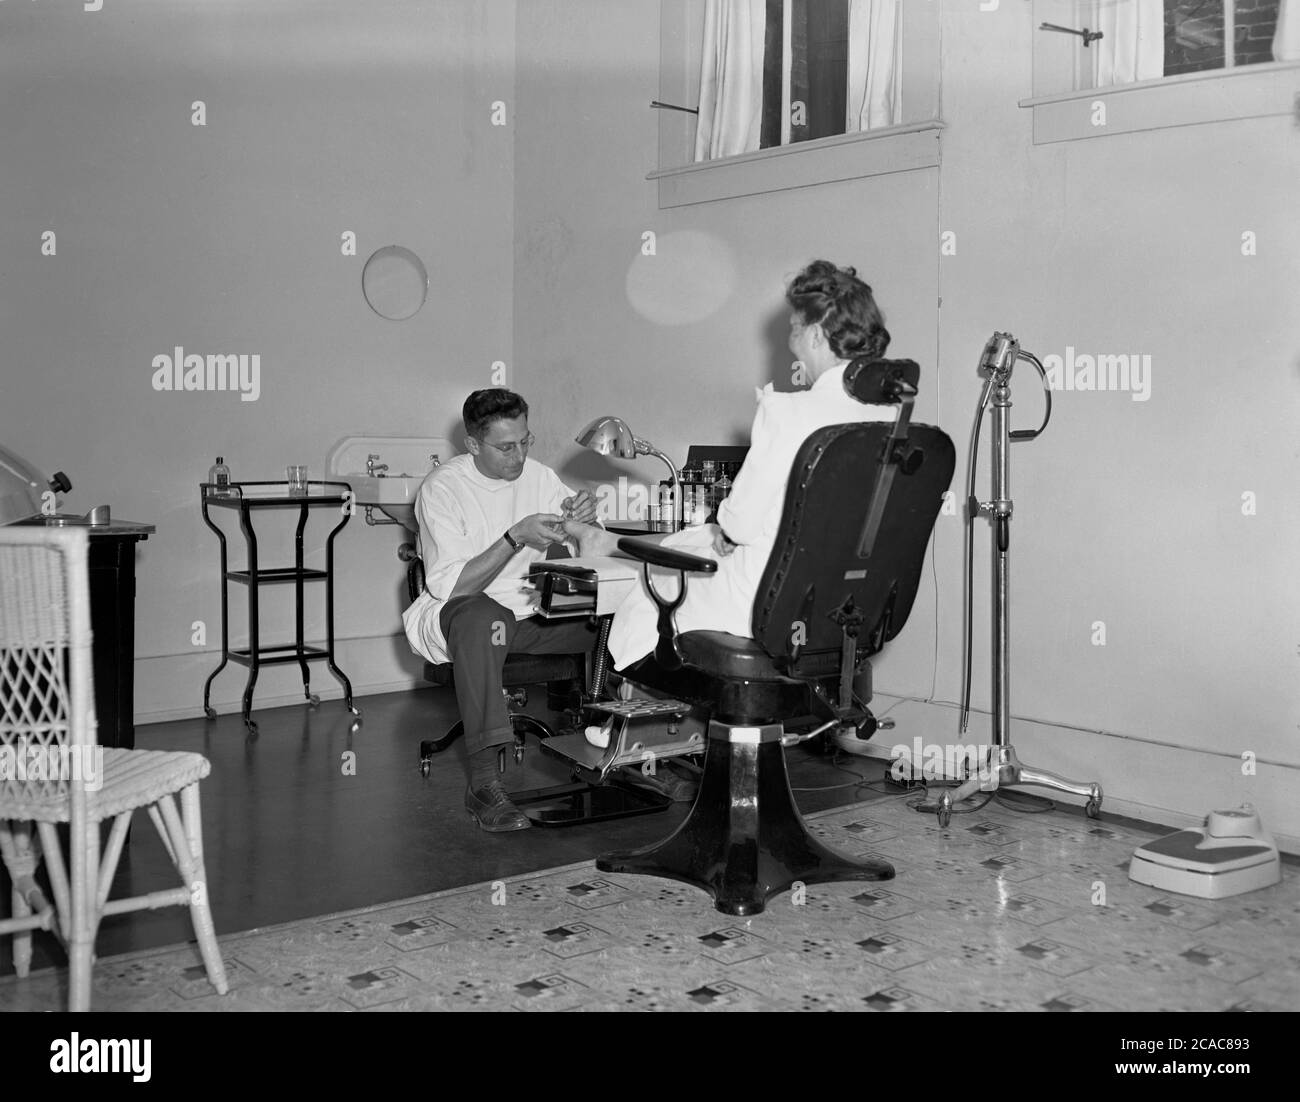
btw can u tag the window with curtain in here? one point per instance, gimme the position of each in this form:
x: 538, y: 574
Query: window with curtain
x: 775, y: 72
x: 1151, y: 39
x: 1168, y: 62
x: 814, y: 61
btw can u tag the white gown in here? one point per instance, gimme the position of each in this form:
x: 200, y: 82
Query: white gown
x: 750, y: 515
x: 462, y: 512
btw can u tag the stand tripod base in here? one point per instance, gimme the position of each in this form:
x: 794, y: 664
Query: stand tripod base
x: 744, y: 840
x: 1003, y: 769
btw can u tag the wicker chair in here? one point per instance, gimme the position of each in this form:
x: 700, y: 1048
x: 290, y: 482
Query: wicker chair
x: 47, y: 754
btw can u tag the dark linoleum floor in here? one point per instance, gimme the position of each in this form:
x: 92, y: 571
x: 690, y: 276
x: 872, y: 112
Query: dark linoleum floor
x: 306, y: 818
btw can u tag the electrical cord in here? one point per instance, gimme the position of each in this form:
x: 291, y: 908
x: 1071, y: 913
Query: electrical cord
x: 879, y: 715
x: 925, y: 807
x: 861, y: 782
x: 1022, y: 803
x: 1009, y: 799
x: 972, y: 508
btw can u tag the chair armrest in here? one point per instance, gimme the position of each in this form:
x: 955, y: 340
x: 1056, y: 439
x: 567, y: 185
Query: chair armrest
x: 657, y: 555
x: 650, y: 554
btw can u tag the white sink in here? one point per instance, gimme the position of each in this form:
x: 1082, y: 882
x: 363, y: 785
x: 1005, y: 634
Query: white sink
x: 394, y: 496
x: 404, y: 463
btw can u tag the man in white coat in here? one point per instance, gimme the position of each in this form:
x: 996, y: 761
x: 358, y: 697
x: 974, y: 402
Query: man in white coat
x: 485, y: 518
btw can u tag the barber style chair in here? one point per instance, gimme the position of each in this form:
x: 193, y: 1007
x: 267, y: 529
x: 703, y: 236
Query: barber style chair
x: 859, y: 509
x: 570, y: 688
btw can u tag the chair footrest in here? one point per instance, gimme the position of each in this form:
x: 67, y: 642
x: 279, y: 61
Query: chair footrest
x: 578, y: 752
x: 640, y: 708
x: 596, y: 763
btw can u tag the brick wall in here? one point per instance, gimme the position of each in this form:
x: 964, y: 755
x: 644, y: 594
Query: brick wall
x: 1194, y: 34
x: 1256, y: 22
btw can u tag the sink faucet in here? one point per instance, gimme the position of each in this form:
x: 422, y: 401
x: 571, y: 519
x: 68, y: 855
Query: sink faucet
x: 373, y: 468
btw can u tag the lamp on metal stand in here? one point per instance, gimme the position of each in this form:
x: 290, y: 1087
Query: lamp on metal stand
x: 1001, y: 767
x: 611, y: 436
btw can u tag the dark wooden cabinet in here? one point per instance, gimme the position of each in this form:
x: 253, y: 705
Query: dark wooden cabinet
x: 112, y: 619
x: 111, y: 566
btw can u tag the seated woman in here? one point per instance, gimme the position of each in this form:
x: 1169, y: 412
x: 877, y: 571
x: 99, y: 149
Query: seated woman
x: 834, y: 319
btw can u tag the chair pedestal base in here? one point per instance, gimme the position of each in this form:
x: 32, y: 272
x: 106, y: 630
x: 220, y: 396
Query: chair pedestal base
x: 744, y: 840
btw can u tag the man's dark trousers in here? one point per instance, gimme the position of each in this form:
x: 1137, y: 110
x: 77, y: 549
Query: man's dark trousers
x: 480, y: 633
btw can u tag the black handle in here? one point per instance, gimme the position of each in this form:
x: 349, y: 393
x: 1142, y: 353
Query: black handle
x: 658, y: 555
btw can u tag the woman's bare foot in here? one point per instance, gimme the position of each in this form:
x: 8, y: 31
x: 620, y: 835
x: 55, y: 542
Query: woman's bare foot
x: 591, y: 540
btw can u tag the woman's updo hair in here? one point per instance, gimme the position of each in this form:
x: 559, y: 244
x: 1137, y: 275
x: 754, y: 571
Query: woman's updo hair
x: 842, y: 304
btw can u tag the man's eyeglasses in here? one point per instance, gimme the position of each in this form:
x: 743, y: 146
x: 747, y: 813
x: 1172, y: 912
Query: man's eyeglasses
x: 512, y: 448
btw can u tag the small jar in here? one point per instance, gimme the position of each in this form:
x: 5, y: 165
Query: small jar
x: 667, y: 507
x: 699, y: 507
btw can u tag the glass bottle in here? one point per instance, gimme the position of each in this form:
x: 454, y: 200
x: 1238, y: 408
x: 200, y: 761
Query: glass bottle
x: 219, y: 478
x: 667, y: 506
x: 721, y: 489
x: 687, y: 484
x: 708, y: 476
x: 701, y: 505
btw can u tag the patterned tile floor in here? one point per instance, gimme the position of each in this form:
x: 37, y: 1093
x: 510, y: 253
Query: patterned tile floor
x: 1002, y: 910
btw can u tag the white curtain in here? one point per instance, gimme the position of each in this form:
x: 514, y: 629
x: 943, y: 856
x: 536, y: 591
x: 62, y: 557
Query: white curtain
x: 1286, y: 39
x: 731, y: 79
x: 872, y: 99
x: 1132, y: 46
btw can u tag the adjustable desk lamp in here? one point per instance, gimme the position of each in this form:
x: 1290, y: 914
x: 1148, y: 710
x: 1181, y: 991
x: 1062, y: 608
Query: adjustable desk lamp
x: 611, y: 436
x: 1002, y: 767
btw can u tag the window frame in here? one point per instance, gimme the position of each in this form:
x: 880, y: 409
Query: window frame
x: 1188, y: 99
x: 1185, y: 99
x: 1228, y: 9
x: 912, y: 144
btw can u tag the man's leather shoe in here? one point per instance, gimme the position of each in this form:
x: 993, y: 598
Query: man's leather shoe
x: 492, y: 809
x: 664, y: 781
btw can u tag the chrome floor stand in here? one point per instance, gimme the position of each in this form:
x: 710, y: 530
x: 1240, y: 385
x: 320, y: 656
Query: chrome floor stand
x: 1000, y: 767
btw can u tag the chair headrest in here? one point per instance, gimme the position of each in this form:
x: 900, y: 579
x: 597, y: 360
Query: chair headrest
x: 881, y: 382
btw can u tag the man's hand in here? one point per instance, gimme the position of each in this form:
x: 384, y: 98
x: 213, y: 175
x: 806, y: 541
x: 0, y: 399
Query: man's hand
x: 580, y: 507
x: 539, y: 530
x: 722, y: 545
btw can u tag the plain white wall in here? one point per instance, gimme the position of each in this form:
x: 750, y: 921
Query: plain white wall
x: 322, y: 118
x: 1127, y: 513
x: 1131, y: 513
